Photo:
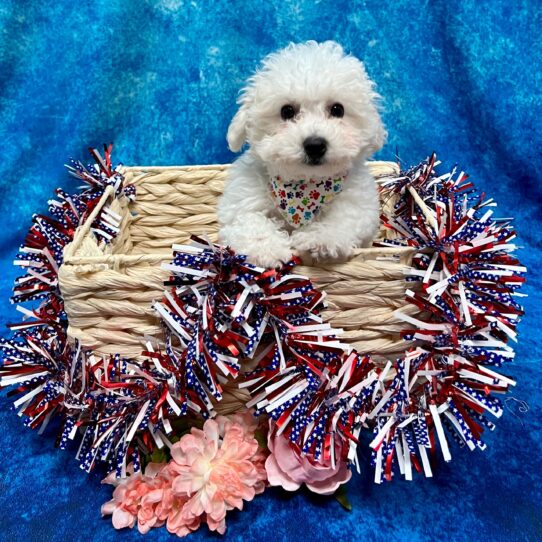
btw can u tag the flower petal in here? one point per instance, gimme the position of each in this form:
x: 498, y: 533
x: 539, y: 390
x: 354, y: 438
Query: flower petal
x: 122, y: 518
x: 277, y: 477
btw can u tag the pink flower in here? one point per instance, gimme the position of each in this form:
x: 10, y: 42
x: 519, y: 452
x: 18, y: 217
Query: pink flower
x: 216, y: 469
x: 136, y: 497
x: 212, y: 471
x: 287, y: 468
x: 170, y: 511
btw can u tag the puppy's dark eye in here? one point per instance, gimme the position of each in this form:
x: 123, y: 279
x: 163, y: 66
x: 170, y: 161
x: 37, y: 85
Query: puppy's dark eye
x: 336, y: 110
x: 287, y: 112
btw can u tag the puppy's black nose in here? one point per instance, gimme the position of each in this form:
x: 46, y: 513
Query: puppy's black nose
x: 315, y: 148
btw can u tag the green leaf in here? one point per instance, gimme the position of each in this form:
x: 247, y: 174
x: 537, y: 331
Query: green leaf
x: 341, y: 496
x: 261, y: 436
x: 181, y: 426
x: 158, y: 456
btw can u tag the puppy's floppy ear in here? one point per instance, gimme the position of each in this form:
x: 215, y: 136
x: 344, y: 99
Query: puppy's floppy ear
x: 367, y: 104
x: 237, y: 131
x: 379, y: 133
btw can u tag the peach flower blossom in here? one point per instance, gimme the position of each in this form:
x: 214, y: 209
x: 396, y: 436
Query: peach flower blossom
x: 136, y: 497
x: 211, y: 472
x: 170, y: 511
x: 287, y: 468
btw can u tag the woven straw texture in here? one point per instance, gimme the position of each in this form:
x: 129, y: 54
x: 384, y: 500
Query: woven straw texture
x: 108, y: 291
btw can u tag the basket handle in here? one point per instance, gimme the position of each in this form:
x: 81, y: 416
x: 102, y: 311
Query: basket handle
x: 84, y: 228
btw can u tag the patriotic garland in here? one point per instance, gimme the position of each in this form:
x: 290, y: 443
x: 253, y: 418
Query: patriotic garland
x: 52, y: 377
x: 225, y: 313
x: 225, y: 319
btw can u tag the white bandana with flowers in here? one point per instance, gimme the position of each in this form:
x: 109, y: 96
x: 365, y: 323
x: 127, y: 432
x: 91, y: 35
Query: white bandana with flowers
x: 299, y: 201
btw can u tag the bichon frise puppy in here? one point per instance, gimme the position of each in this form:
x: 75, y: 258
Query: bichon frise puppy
x: 311, y: 120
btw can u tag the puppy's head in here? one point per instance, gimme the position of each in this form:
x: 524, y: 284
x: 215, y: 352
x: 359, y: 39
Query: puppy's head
x: 309, y: 109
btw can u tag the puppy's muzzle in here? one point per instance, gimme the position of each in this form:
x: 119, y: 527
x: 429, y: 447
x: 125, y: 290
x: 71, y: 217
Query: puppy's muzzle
x: 315, y: 149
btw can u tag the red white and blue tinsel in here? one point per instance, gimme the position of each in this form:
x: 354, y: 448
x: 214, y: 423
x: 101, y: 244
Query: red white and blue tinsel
x: 51, y: 377
x: 225, y: 314
x: 225, y: 319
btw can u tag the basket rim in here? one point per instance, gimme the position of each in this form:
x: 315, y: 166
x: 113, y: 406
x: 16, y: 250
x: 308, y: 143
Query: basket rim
x: 124, y: 168
x: 71, y: 259
x: 224, y: 166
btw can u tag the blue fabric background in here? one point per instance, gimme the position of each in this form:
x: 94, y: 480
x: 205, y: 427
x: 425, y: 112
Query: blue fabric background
x: 160, y: 78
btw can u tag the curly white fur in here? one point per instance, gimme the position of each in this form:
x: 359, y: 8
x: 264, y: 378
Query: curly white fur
x: 311, y: 77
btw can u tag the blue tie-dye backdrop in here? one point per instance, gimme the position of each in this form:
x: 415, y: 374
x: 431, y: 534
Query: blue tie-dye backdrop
x: 160, y: 78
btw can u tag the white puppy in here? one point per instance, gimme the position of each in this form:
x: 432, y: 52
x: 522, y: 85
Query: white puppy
x: 310, y: 117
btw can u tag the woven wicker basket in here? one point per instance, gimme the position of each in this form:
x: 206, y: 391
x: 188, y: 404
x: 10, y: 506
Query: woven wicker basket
x: 108, y: 292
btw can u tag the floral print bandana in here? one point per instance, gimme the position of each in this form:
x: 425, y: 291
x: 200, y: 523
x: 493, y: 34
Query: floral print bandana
x: 299, y: 201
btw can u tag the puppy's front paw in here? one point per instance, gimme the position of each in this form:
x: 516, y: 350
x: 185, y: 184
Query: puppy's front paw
x: 320, y: 245
x: 269, y: 254
x: 259, y: 238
